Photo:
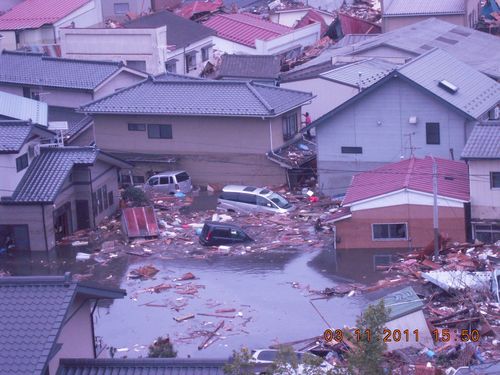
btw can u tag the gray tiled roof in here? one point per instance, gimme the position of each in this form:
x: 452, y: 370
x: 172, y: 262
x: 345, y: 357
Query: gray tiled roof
x: 166, y: 366
x: 475, y: 48
x: 175, y: 77
x: 13, y: 134
x: 350, y: 39
x: 476, y: 93
x: 312, y: 71
x: 371, y: 71
x: 48, y: 171
x: 200, y: 98
x: 395, y: 8
x: 484, y: 142
x: 180, y: 31
x: 250, y: 66
x: 76, y: 121
x: 38, y: 70
x: 32, y: 311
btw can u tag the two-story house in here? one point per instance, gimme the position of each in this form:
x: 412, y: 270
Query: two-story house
x: 482, y: 153
x: 46, y: 318
x: 428, y: 106
x: 64, y: 84
x: 154, y: 43
x: 218, y: 131
x: 48, y: 192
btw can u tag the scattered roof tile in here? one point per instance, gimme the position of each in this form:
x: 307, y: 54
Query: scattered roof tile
x: 188, y: 10
x: 35, y: 69
x: 484, y: 142
x: 180, y: 31
x: 396, y: 8
x: 411, y: 174
x: 200, y: 98
x: 33, y: 310
x: 250, y: 66
x: 245, y: 28
x: 23, y: 16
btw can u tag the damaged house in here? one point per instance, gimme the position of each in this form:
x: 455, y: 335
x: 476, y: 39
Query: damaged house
x: 218, y: 131
x: 48, y: 191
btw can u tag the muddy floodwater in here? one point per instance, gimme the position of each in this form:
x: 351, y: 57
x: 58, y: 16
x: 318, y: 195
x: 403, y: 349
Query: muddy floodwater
x: 270, y: 295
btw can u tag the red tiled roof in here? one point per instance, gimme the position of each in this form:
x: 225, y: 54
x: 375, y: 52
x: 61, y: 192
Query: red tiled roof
x: 412, y: 174
x: 32, y: 14
x: 188, y: 10
x: 245, y: 28
x: 310, y: 17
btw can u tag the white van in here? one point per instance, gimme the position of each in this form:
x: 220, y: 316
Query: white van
x: 240, y: 198
x: 169, y: 182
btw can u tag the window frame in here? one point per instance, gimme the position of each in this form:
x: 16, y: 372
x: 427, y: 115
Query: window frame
x: 205, y: 53
x: 351, y: 150
x: 288, y: 125
x: 136, y: 127
x: 432, y: 132
x: 492, y: 180
x: 172, y: 64
x: 121, y: 13
x: 190, y: 56
x: 150, y: 128
x: 389, y: 232
x: 22, y: 162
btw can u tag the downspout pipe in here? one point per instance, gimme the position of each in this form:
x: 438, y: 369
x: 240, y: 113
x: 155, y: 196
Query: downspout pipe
x: 92, y: 199
x: 44, y: 228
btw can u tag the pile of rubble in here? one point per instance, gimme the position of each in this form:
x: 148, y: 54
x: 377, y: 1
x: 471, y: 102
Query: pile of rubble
x: 368, y: 10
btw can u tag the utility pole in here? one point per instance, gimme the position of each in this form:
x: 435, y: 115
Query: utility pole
x: 436, y: 211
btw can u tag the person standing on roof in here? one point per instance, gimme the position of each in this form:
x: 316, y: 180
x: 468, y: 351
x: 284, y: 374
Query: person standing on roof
x: 307, y: 122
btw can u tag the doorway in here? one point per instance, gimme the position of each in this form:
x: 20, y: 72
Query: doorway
x: 82, y: 214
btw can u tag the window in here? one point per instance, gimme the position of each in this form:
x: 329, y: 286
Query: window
x: 247, y: 198
x: 136, y: 127
x: 160, y: 131
x: 190, y: 62
x: 138, y: 179
x: 432, y: 133
x: 100, y: 203
x: 171, y: 66
x: 27, y: 92
x: 136, y: 64
x: 389, y: 231
x: 110, y: 198
x: 153, y: 181
x: 487, y: 233
x: 100, y: 200
x: 290, y: 126
x: 181, y: 177
x: 121, y: 8
x: 166, y: 180
x: 495, y: 180
x: 351, y: 150
x: 229, y: 196
x: 22, y: 162
x: 205, y: 53
x: 105, y: 196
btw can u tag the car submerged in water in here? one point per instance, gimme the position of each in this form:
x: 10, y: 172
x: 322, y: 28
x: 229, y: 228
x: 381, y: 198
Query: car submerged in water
x: 246, y: 199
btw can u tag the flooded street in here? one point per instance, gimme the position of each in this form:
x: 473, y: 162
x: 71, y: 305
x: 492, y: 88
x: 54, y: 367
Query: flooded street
x: 268, y: 291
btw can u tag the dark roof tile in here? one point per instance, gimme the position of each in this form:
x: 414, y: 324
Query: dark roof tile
x: 250, y: 66
x: 13, y: 134
x: 484, y: 142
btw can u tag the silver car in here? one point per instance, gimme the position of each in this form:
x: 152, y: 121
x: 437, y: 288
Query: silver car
x: 240, y: 198
x: 169, y: 182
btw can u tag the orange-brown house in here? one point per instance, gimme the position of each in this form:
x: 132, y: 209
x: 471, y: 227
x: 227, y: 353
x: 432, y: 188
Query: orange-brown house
x: 392, y: 206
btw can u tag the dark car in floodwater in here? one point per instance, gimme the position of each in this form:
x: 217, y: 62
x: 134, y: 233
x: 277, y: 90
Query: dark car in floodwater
x: 215, y: 233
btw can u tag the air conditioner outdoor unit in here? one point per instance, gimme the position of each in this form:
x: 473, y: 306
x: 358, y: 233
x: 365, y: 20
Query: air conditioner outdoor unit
x: 413, y: 120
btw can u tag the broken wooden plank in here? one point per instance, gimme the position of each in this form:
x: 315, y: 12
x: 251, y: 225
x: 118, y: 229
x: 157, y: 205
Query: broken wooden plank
x: 185, y: 317
x: 204, y: 344
x: 218, y: 315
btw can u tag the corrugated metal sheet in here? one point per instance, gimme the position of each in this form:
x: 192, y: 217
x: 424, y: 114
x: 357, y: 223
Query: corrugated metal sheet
x: 32, y: 14
x: 477, y: 93
x: 412, y: 174
x: 20, y: 108
x: 140, y: 222
x: 364, y: 73
x: 353, y: 25
x: 422, y: 7
x: 484, y: 142
x: 245, y: 28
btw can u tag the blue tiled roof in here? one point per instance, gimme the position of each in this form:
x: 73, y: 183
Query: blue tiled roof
x: 32, y: 312
x: 13, y: 134
x: 484, y: 142
x: 39, y: 70
x: 46, y: 174
x: 200, y: 97
x: 167, y: 366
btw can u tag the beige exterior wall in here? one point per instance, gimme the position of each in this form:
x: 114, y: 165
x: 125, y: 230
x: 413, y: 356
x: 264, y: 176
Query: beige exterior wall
x: 120, y: 81
x: 190, y: 135
x: 329, y: 94
x: 8, y: 42
x: 393, y: 23
x: 485, y: 200
x: 10, y: 177
x: 85, y: 138
x: 76, y: 334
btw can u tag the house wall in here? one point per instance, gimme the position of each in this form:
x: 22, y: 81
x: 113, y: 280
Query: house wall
x: 120, y: 81
x: 105, y: 174
x: 393, y: 23
x: 31, y: 215
x: 85, y: 138
x: 384, y: 135
x: 10, y: 177
x: 8, y: 42
x: 76, y: 334
x: 42, y: 35
x: 329, y: 94
x: 485, y: 201
x: 180, y: 54
x: 148, y: 45
x: 11, y: 89
x: 135, y: 7
x: 88, y: 15
x: 356, y: 232
x: 191, y: 134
